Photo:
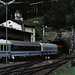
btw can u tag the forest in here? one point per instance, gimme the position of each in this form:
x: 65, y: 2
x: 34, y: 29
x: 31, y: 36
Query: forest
x: 56, y: 14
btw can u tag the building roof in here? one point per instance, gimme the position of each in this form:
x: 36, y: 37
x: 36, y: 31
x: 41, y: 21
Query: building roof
x: 26, y: 24
x: 16, y: 11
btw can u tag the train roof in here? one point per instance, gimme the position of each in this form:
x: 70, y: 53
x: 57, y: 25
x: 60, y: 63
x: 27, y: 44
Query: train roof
x: 4, y: 41
x: 13, y: 42
x: 48, y: 44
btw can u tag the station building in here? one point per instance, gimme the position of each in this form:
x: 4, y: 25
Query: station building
x: 17, y: 29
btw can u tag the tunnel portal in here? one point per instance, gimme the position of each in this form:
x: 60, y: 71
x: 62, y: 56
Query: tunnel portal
x: 63, y: 43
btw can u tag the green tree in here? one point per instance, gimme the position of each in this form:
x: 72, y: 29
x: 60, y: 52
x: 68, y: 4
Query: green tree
x: 61, y: 14
x: 3, y: 13
x: 38, y: 27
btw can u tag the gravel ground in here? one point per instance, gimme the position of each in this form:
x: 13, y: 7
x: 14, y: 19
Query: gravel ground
x: 35, y: 65
x: 14, y: 63
x: 10, y: 64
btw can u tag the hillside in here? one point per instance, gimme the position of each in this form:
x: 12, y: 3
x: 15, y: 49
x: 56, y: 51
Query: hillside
x: 27, y: 10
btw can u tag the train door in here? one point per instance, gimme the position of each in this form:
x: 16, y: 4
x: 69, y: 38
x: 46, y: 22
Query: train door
x: 3, y: 51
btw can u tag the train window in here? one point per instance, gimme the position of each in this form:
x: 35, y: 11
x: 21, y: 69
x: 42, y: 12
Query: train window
x: 17, y: 48
x: 49, y: 48
x: 36, y: 48
x: 4, y: 47
x: 1, y: 47
x: 24, y: 48
x: 9, y: 47
x: 43, y: 48
x: 55, y: 48
x: 46, y: 48
x: 31, y: 48
x: 39, y: 48
x: 14, y: 48
x: 20, y: 48
x: 52, y: 48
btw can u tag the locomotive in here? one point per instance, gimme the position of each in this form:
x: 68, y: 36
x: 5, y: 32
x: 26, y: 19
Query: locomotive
x: 24, y: 49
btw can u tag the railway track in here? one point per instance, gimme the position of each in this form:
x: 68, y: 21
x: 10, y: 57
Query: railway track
x: 17, y: 69
x: 46, y: 69
x: 28, y: 69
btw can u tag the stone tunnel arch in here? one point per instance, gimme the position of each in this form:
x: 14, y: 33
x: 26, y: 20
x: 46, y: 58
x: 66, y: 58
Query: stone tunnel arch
x: 64, y: 43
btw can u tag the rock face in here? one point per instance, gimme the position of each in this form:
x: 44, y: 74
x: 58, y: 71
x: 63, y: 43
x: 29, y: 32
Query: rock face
x: 65, y: 36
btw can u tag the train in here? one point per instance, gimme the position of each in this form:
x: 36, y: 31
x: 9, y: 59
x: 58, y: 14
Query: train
x: 24, y: 49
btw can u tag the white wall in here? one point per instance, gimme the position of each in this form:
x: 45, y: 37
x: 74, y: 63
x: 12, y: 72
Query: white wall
x: 14, y: 25
x: 19, y: 27
x: 31, y: 30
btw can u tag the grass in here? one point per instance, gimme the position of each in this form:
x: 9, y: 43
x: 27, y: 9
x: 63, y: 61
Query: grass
x: 66, y: 56
x: 33, y: 19
x: 70, y: 71
x: 65, y: 70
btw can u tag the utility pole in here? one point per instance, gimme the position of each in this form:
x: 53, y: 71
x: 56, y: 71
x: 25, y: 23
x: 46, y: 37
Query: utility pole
x: 44, y: 33
x: 72, y: 41
x: 6, y: 3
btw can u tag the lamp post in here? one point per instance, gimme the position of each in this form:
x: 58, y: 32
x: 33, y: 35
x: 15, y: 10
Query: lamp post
x: 44, y: 33
x: 6, y: 3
